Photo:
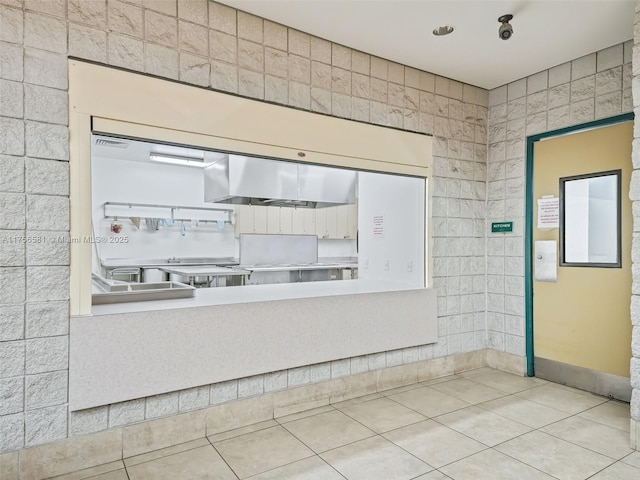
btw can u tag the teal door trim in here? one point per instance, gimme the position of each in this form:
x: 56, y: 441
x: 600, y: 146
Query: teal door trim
x: 528, y: 228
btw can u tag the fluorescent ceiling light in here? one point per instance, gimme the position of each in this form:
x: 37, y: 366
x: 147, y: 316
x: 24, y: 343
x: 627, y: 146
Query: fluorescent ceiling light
x: 178, y: 160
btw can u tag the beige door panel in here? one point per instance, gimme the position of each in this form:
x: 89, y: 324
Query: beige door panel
x: 583, y: 319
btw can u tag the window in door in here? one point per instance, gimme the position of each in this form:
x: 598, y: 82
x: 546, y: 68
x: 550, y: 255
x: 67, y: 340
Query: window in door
x: 590, y: 220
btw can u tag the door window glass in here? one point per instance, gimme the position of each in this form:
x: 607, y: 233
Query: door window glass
x: 590, y: 220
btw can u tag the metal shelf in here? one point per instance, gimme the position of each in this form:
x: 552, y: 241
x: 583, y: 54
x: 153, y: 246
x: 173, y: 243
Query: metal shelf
x: 174, y: 212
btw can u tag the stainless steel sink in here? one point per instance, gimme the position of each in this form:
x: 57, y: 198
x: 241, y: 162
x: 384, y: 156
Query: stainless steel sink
x: 106, y: 291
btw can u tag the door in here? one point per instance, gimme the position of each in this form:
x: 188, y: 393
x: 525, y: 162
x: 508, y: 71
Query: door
x: 581, y: 321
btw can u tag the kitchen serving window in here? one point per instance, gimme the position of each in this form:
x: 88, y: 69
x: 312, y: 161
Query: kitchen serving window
x: 173, y: 221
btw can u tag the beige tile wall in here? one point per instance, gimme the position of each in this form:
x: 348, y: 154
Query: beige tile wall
x: 210, y: 45
x: 634, y: 194
x: 588, y: 88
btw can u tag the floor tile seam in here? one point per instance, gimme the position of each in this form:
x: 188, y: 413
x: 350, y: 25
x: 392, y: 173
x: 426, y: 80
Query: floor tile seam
x: 291, y: 463
x: 164, y: 456
x: 409, y: 408
x: 458, y: 432
x: 277, y: 419
x: 359, y: 403
x: 557, y: 438
x: 358, y: 421
x: 486, y: 447
x: 524, y: 463
x: 462, y: 399
x: 545, y: 405
x: 406, y: 451
x: 387, y: 431
x: 92, y: 476
x: 243, y: 434
x: 434, y: 470
x: 581, y: 418
x: 313, y: 454
x: 387, y: 393
x: 126, y: 472
x: 223, y: 459
x: 596, y: 421
x: 632, y: 452
x: 578, y: 445
x: 490, y: 412
x: 443, y: 381
x: 334, y: 468
x: 602, y: 423
x: 56, y: 477
x: 600, y: 471
x: 576, y: 391
x: 491, y: 386
x: 456, y: 396
x: 374, y: 434
x: 479, y: 405
x: 506, y: 392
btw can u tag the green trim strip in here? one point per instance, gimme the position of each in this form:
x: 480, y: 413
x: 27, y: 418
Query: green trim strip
x: 528, y: 228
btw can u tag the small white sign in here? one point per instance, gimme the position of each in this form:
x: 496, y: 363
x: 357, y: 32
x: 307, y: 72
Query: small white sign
x: 548, y: 212
x: 378, y: 226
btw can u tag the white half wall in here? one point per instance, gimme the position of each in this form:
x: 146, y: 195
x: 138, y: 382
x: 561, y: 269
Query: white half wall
x: 114, y: 358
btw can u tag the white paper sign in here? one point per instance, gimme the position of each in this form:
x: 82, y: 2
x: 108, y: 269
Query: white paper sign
x: 548, y: 212
x: 378, y: 226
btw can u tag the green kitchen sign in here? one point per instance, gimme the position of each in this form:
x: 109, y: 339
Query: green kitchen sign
x: 501, y: 227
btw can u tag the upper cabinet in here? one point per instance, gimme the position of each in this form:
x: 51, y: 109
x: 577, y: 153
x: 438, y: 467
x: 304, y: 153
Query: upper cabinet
x: 279, y: 220
x: 347, y: 221
x: 303, y: 221
x: 251, y: 219
x: 327, y: 223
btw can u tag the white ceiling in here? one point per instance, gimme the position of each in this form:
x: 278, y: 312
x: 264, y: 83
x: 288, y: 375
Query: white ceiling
x: 546, y: 33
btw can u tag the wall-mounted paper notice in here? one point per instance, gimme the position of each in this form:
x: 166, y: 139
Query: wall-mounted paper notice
x: 548, y: 212
x: 378, y: 225
x: 546, y: 261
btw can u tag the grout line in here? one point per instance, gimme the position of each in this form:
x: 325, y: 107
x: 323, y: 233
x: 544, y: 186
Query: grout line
x: 577, y: 444
x: 277, y: 420
x: 223, y: 459
x: 243, y: 434
x: 164, y: 456
x: 435, y: 419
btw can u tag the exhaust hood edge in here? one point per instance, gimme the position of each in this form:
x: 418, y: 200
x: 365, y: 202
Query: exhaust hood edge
x: 240, y: 180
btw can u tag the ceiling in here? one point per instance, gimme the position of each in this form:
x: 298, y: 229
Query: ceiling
x: 546, y: 33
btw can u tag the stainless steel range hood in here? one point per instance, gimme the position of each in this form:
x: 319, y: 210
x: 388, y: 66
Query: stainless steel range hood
x: 244, y: 180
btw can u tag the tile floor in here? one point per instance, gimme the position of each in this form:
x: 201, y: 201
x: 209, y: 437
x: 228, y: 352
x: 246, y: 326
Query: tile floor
x: 479, y: 425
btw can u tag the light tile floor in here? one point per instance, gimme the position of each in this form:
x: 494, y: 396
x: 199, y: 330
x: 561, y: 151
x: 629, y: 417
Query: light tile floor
x: 479, y: 425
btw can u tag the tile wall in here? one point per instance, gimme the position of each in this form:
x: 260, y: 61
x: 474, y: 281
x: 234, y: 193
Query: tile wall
x: 588, y: 88
x: 635, y: 248
x: 211, y: 45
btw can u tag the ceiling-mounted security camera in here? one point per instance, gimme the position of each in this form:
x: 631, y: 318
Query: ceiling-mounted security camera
x: 506, y: 30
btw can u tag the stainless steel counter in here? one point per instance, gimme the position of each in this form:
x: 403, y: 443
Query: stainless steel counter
x: 211, y: 272
x: 110, y: 263
x: 207, y: 270
x: 305, y: 266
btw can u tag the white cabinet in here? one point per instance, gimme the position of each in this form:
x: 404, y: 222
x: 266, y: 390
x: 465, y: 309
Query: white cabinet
x: 326, y: 222
x: 303, y: 221
x: 329, y: 223
x: 339, y: 222
x: 279, y: 220
x: 347, y: 221
x: 251, y: 219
